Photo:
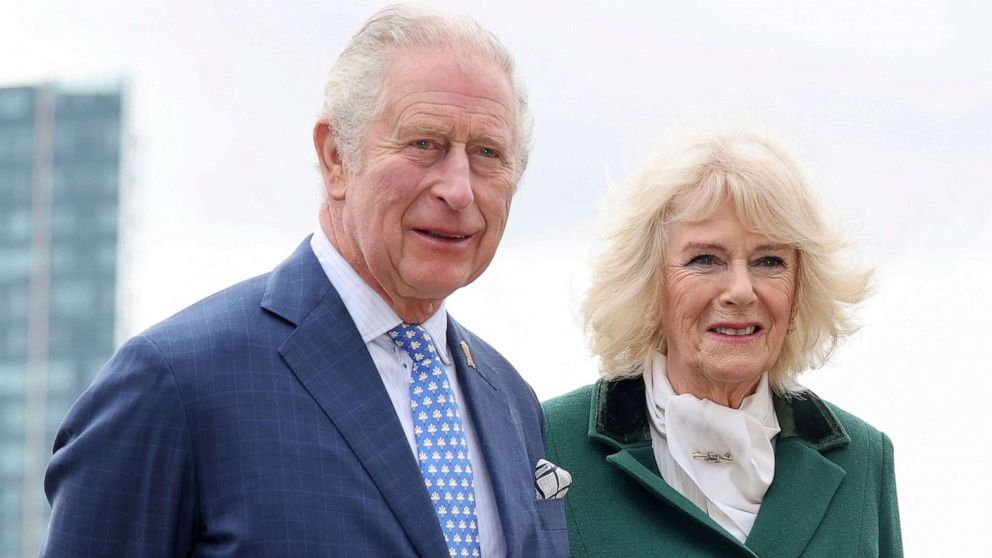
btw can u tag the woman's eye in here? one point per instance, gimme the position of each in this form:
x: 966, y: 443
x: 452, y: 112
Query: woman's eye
x: 770, y: 261
x: 703, y: 260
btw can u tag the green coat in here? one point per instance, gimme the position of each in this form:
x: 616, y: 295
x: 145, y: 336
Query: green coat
x: 834, y: 492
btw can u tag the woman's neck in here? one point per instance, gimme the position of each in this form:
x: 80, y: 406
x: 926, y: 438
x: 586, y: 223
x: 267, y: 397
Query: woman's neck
x: 726, y: 394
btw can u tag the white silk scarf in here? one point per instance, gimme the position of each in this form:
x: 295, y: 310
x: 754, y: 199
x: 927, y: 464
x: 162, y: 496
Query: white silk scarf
x: 730, y: 490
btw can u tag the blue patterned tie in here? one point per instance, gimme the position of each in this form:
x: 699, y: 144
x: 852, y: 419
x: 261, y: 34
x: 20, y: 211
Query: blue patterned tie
x: 441, y: 448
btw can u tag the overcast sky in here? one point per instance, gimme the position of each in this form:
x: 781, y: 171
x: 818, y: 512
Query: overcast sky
x: 888, y: 105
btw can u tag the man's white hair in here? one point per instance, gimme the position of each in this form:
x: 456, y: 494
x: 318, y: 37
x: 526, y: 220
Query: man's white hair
x: 357, y: 87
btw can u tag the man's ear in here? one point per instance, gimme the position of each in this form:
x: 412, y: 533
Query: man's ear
x: 331, y: 166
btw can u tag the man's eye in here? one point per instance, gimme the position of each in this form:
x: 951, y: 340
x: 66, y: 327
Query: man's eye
x: 488, y: 152
x: 770, y: 261
x: 423, y: 144
x: 703, y: 260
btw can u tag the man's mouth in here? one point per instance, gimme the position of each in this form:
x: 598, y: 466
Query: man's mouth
x: 443, y: 235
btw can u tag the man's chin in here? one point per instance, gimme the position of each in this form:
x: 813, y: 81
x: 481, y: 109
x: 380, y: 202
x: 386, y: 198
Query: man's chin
x: 418, y: 297
x: 434, y: 290
x: 436, y: 281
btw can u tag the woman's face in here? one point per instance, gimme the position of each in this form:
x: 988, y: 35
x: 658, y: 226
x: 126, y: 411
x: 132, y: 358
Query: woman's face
x: 728, y: 295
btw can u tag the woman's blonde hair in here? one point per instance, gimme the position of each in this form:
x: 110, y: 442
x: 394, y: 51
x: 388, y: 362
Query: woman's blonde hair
x: 687, y: 184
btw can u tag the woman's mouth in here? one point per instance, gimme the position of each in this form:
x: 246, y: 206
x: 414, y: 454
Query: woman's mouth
x: 749, y: 330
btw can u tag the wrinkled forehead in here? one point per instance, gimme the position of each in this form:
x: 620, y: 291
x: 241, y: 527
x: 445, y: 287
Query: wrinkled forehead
x: 413, y: 64
x: 451, y: 80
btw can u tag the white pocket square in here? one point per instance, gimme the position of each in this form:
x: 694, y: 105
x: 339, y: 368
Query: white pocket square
x: 550, y: 480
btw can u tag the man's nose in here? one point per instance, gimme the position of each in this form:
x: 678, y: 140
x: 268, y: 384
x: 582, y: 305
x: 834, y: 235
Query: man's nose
x: 455, y: 184
x: 738, y: 288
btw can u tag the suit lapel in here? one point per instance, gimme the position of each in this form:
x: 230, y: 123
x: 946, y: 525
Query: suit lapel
x: 499, y: 433
x: 329, y: 358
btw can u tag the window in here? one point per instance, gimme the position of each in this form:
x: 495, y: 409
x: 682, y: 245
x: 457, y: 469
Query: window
x: 61, y: 376
x: 16, y: 143
x: 11, y: 380
x: 18, y: 224
x: 15, y: 184
x: 111, y: 137
x: 13, y: 416
x: 106, y: 217
x: 72, y: 298
x: 14, y: 263
x: 12, y: 457
x: 16, y: 104
x: 65, y: 222
x: 106, y: 257
x: 15, y: 345
x: 14, y: 301
x: 63, y: 260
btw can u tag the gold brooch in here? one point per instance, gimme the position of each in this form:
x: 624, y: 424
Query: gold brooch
x: 712, y: 456
x: 468, y: 354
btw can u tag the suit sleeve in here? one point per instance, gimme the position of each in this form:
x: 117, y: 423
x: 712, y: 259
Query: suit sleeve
x: 889, y: 536
x: 121, y: 481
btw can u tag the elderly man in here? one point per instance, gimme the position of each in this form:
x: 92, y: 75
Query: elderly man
x: 332, y: 407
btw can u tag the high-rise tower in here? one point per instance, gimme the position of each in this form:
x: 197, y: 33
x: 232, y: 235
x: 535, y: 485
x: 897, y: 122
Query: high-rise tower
x: 60, y: 177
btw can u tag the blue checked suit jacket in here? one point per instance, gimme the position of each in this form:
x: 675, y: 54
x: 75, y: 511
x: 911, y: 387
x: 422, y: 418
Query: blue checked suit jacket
x: 254, y: 423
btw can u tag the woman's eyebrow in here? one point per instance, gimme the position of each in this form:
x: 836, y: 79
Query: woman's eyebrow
x: 771, y: 247
x: 694, y: 246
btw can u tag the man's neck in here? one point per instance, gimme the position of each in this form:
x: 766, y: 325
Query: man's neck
x: 414, y: 311
x: 410, y: 310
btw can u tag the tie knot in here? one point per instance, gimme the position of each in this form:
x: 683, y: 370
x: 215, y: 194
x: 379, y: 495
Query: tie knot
x: 415, y: 340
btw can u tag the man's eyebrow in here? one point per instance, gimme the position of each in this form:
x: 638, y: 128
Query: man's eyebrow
x: 425, y: 128
x: 497, y: 139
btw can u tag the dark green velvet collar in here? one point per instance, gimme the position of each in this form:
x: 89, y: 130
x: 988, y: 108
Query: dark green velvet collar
x: 619, y: 417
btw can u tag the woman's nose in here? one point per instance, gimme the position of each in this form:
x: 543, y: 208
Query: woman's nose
x: 738, y: 287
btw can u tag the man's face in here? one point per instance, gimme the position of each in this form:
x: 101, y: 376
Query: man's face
x: 426, y: 211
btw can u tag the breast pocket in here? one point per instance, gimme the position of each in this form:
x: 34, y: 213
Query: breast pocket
x: 551, y: 514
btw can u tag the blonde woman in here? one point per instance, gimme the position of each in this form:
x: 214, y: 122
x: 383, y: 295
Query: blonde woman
x: 720, y: 285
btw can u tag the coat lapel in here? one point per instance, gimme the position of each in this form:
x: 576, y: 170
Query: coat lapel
x: 329, y: 358
x: 804, y: 479
x: 499, y: 433
x: 796, y: 502
x: 636, y: 462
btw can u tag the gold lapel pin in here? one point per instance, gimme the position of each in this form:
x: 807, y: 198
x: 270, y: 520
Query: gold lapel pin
x: 712, y: 456
x: 468, y: 354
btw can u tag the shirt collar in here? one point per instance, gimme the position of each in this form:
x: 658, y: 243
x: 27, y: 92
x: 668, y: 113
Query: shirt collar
x: 371, y: 313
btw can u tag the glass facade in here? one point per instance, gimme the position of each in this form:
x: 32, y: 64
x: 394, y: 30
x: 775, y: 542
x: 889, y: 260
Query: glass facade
x: 60, y: 164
